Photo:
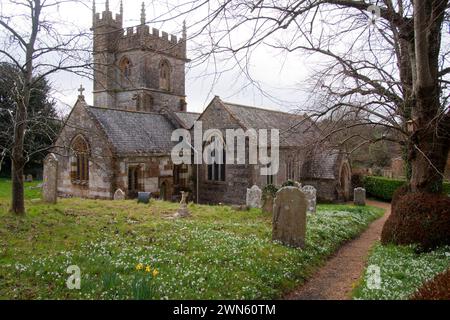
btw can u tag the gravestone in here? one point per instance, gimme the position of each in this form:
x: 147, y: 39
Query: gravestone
x: 310, y: 194
x: 143, y: 197
x: 119, y: 195
x: 29, y: 178
x: 253, y: 199
x: 359, y: 196
x: 183, y: 210
x: 268, y: 203
x: 50, y: 185
x: 289, y: 217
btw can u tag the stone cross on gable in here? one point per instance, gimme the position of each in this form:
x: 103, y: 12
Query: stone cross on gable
x: 80, y: 90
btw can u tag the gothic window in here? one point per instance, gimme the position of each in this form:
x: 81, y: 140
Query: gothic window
x: 125, y: 69
x: 134, y: 180
x: 80, y: 161
x: 216, y: 171
x: 164, y: 75
x: 290, y: 174
x: 269, y: 179
x: 148, y: 102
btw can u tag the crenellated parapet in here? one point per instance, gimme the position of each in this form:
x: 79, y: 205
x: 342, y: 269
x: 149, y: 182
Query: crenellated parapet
x: 141, y: 37
x: 106, y: 19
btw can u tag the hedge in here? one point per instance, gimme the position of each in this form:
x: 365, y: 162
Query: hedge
x: 383, y: 188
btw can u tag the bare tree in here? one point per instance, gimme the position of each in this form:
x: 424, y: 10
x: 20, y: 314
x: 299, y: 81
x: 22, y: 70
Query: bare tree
x: 385, y: 59
x: 39, y: 43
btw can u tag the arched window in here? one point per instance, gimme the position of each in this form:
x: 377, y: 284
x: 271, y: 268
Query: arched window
x: 164, y: 75
x: 290, y: 170
x: 80, y: 162
x: 216, y: 167
x: 125, y: 68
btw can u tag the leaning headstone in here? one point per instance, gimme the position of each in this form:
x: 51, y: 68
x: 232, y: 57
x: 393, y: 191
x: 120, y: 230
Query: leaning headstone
x: 183, y: 210
x: 143, y: 197
x: 29, y: 178
x: 49, y: 187
x: 253, y: 199
x: 289, y: 217
x: 119, y: 195
x: 311, y: 196
x: 359, y: 196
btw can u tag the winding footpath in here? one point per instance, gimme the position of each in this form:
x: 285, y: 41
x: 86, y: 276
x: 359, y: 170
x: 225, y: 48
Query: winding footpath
x: 335, y: 280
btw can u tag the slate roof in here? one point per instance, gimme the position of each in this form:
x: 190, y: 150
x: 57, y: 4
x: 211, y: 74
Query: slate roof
x: 295, y: 130
x: 132, y: 132
x: 188, y: 118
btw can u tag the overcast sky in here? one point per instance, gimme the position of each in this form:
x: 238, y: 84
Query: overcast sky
x: 278, y: 75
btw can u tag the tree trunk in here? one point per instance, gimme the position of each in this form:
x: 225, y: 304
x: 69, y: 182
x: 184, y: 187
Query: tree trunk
x: 18, y: 161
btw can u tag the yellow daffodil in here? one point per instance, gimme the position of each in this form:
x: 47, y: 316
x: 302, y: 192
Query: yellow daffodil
x: 139, y: 266
x: 148, y: 269
x: 155, y: 272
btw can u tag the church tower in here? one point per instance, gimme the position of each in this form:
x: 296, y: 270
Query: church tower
x: 135, y: 69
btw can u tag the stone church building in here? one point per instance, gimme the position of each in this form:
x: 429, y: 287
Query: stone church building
x: 124, y: 141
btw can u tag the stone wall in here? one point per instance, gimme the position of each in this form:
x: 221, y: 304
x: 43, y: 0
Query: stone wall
x: 101, y: 161
x: 145, y: 49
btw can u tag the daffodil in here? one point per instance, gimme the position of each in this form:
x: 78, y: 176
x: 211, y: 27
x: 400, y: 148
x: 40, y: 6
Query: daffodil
x: 155, y: 272
x: 148, y: 269
x: 139, y: 266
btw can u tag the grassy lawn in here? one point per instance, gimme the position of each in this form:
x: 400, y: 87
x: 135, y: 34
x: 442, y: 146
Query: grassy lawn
x: 402, y: 271
x: 218, y: 253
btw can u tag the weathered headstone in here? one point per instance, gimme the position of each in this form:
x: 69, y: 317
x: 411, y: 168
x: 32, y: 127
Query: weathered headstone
x: 267, y: 205
x: 29, y: 178
x: 50, y: 185
x: 289, y: 217
x: 359, y: 196
x: 119, y: 195
x: 183, y: 210
x: 311, y: 196
x: 253, y: 199
x: 143, y: 197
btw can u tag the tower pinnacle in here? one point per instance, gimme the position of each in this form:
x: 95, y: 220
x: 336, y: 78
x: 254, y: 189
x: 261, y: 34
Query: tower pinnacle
x: 143, y: 14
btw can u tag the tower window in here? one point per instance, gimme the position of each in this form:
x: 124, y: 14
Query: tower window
x: 164, y: 75
x: 125, y: 68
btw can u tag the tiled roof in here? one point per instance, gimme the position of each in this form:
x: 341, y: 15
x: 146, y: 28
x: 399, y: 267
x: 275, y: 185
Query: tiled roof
x: 132, y: 132
x: 188, y: 118
x: 295, y: 130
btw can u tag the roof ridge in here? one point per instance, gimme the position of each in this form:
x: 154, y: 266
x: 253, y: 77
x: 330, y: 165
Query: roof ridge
x: 263, y: 109
x: 130, y: 111
x: 190, y: 112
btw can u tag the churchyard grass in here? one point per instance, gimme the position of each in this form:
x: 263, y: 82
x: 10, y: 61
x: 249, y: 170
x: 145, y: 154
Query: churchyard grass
x: 217, y: 253
x: 402, y: 271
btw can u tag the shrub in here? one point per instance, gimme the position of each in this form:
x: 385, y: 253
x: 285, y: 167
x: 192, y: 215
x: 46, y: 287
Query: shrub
x: 418, y: 218
x: 288, y: 183
x: 269, y: 189
x: 435, y: 289
x: 383, y: 188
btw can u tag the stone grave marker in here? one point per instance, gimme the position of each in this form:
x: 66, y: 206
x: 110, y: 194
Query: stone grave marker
x: 289, y: 217
x: 119, y: 195
x: 310, y: 194
x: 253, y: 199
x: 359, y: 196
x: 50, y: 185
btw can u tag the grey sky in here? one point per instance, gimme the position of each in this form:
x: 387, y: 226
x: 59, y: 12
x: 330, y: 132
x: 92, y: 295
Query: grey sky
x: 267, y: 67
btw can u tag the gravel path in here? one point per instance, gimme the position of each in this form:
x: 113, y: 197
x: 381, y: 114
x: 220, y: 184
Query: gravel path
x: 335, y: 280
